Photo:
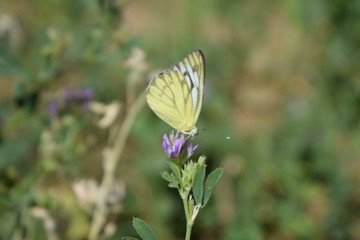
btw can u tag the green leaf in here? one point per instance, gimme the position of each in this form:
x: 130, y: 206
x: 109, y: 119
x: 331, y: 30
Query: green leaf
x: 167, y: 177
x: 198, y: 185
x: 174, y: 183
x: 143, y: 230
x: 129, y: 238
x: 175, y: 169
x: 211, y: 181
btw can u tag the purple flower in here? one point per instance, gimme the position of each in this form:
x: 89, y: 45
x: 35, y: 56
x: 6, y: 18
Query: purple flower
x: 190, y: 149
x: 177, y: 147
x: 53, y: 108
x: 79, y: 95
x: 72, y: 98
x: 172, y: 146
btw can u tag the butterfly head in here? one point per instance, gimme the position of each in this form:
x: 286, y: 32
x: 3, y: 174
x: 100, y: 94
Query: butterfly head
x: 191, y: 133
x: 194, y: 131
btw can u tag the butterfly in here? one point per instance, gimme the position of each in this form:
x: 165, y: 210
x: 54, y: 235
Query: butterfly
x: 175, y: 95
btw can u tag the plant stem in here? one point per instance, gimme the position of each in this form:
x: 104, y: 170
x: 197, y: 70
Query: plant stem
x: 188, y: 231
x: 188, y: 218
x: 101, y: 211
x: 186, y: 208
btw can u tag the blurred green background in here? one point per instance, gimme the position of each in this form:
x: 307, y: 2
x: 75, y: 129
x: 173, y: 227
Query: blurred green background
x: 282, y: 80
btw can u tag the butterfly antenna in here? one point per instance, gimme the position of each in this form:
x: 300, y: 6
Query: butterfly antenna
x: 223, y: 136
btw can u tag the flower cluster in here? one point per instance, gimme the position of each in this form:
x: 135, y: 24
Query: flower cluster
x: 71, y: 97
x: 78, y: 95
x: 178, y: 148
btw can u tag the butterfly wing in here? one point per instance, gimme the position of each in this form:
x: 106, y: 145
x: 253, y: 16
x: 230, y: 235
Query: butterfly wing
x: 192, y: 68
x: 176, y: 95
x: 169, y: 97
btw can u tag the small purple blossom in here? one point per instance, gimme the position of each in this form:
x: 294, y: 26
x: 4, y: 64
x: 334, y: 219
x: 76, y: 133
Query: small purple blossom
x: 71, y: 97
x: 172, y: 146
x: 190, y: 149
x: 53, y: 107
x: 78, y: 95
x: 176, y: 146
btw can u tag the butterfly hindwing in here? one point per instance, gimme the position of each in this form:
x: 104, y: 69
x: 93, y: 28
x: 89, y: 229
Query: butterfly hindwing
x: 176, y: 95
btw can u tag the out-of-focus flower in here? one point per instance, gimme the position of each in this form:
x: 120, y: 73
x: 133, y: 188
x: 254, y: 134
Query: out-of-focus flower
x: 88, y: 191
x: 11, y: 32
x: 71, y: 97
x: 78, y: 95
x: 53, y: 107
x: 137, y: 60
x: 109, y: 112
x: 177, y: 146
x: 48, y: 222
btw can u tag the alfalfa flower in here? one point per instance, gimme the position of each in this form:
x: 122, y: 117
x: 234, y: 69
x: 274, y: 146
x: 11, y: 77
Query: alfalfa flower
x: 177, y: 147
x: 71, y: 98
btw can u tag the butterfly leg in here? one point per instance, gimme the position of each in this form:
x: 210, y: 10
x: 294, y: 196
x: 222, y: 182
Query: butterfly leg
x: 190, y: 135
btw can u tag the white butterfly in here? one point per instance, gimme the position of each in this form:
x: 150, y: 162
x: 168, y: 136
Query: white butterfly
x: 176, y: 95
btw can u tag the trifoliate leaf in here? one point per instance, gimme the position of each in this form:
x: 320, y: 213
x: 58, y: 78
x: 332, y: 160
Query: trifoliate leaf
x: 167, y: 176
x: 175, y: 169
x: 198, y: 185
x: 144, y: 230
x: 211, y: 181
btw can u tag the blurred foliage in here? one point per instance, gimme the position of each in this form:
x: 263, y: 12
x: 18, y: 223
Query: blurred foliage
x: 282, y: 80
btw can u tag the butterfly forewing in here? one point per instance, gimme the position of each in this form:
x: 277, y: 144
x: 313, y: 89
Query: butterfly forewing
x: 176, y: 95
x: 169, y: 97
x: 193, y: 69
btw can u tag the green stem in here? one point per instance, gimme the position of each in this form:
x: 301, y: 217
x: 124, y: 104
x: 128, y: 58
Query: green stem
x: 101, y: 210
x: 186, y: 208
x: 188, y: 231
x: 188, y: 219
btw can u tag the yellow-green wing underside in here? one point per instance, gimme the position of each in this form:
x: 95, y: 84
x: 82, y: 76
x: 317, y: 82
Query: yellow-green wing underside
x: 176, y: 95
x: 192, y: 68
x: 169, y: 97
